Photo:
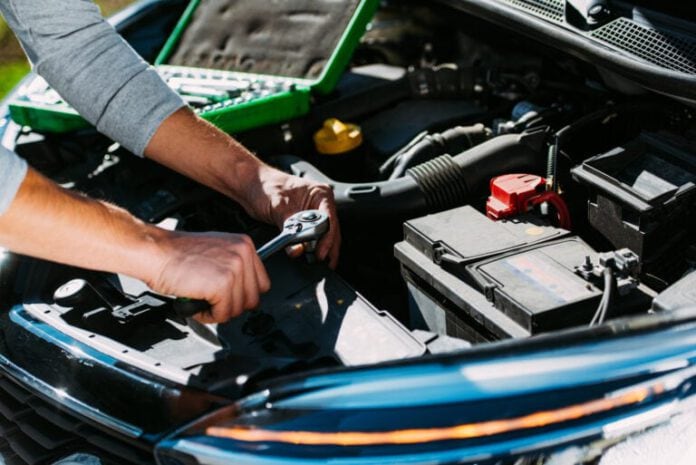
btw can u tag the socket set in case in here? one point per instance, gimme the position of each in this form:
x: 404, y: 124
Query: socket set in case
x: 236, y: 79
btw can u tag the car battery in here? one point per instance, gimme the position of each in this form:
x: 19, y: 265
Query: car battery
x: 470, y: 276
x: 538, y: 287
x: 240, y: 64
x: 643, y: 194
x: 435, y: 254
x: 453, y: 239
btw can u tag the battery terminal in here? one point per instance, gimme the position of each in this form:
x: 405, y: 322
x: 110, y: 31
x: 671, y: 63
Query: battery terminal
x: 624, y: 264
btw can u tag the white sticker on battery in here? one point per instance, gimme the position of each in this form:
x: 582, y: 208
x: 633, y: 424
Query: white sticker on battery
x: 548, y: 275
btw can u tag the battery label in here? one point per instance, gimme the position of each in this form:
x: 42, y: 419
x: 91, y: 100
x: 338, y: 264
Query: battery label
x: 548, y: 276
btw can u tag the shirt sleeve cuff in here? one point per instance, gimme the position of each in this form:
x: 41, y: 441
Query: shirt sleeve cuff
x: 13, y: 170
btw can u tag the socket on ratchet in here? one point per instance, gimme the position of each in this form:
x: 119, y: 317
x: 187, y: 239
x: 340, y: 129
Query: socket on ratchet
x: 302, y: 227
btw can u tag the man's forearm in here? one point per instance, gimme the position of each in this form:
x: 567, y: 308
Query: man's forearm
x: 49, y: 222
x: 195, y: 148
x: 191, y: 146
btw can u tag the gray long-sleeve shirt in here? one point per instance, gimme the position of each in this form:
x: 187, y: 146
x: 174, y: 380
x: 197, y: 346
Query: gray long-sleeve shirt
x: 83, y: 58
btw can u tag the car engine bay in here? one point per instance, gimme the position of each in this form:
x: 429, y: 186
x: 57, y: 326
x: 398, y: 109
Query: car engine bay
x: 494, y: 188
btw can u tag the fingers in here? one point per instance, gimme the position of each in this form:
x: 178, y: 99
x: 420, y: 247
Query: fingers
x: 330, y: 245
x: 250, y: 275
x: 229, y: 292
x: 296, y: 250
x: 320, y: 197
x: 230, y: 275
x: 207, y: 318
x: 247, y: 280
x: 223, y: 269
x: 264, y: 282
x: 286, y: 195
x: 238, y: 291
x: 335, y: 248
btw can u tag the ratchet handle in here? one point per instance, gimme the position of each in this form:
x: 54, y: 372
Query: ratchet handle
x: 304, y: 226
x: 280, y: 242
x: 186, y: 308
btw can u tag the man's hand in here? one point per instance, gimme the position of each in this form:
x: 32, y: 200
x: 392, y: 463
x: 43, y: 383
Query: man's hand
x: 200, y: 151
x: 47, y: 221
x: 278, y: 196
x: 222, y: 269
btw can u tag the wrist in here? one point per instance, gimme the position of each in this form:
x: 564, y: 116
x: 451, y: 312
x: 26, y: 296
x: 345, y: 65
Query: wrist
x: 249, y: 181
x: 243, y: 177
x: 151, y: 254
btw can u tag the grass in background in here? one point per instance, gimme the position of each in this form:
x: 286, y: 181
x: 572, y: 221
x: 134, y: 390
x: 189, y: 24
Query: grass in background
x: 10, y: 74
x: 13, y: 65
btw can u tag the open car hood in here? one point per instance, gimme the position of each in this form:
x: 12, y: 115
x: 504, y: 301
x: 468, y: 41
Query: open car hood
x: 653, y: 48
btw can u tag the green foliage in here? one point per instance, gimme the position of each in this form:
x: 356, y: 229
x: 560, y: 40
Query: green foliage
x: 10, y: 74
x: 3, y: 30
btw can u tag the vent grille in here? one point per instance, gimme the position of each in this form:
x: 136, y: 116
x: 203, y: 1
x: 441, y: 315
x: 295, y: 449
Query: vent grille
x: 660, y: 48
x: 549, y: 9
x: 35, y: 432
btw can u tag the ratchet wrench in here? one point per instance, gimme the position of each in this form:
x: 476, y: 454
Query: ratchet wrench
x: 305, y: 226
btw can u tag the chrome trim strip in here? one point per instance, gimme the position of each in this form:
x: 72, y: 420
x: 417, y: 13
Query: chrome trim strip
x: 108, y: 347
x: 79, y: 408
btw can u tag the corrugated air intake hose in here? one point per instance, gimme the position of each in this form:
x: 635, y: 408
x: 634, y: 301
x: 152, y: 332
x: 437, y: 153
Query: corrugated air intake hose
x: 442, y: 183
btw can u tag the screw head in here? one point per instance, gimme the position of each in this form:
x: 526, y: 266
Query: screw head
x: 596, y: 10
x: 310, y: 216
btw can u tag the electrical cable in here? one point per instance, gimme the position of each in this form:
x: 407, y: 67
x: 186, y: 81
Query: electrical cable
x: 557, y: 202
x: 605, y: 302
x: 452, y: 141
x: 389, y: 163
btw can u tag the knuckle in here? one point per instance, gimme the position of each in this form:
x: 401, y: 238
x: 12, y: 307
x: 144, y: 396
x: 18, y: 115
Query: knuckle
x: 323, y: 189
x: 229, y: 279
x: 236, y: 311
x: 252, y: 301
x: 233, y: 266
x: 326, y: 191
x: 236, y: 264
x: 246, y: 240
x: 207, y: 317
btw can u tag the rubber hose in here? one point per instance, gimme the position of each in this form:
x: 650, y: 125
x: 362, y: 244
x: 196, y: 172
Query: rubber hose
x: 442, y: 183
x: 455, y: 140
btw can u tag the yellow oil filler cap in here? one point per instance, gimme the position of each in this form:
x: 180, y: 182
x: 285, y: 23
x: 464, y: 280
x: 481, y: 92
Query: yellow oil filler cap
x: 337, y: 137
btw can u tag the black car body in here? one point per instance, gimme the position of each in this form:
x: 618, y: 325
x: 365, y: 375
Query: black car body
x: 449, y: 372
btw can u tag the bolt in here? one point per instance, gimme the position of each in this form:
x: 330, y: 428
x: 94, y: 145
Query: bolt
x: 597, y: 13
x: 310, y: 216
x: 588, y: 263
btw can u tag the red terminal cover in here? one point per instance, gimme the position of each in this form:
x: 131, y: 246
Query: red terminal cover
x: 512, y: 194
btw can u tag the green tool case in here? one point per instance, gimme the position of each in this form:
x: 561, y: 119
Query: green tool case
x: 240, y: 64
